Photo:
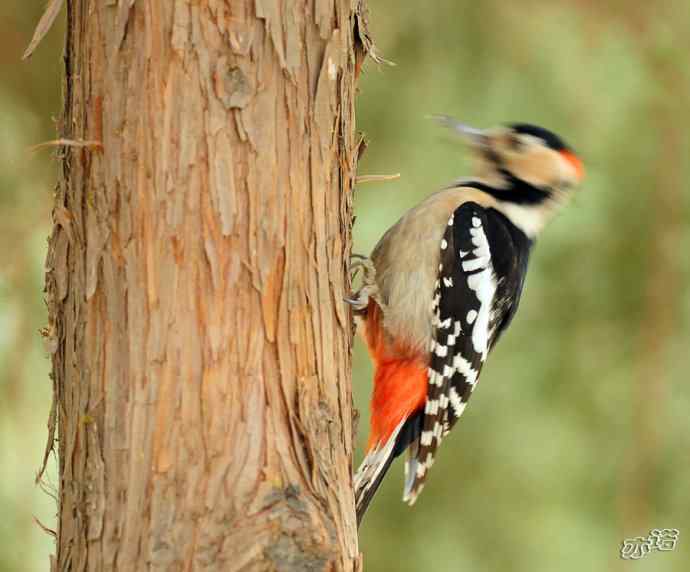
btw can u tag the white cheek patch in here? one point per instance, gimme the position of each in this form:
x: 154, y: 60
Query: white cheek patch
x: 530, y: 220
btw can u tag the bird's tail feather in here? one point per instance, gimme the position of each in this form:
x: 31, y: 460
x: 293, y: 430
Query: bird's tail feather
x: 410, y: 495
x: 372, y: 470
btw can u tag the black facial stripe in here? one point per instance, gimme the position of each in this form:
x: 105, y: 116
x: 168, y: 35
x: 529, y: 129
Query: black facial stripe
x: 519, y: 192
x: 550, y: 139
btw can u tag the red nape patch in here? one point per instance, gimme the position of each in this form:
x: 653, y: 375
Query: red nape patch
x: 574, y: 160
x: 400, y: 387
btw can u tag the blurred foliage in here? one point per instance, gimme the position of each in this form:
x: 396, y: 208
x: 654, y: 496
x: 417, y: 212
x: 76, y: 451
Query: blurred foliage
x: 579, y: 434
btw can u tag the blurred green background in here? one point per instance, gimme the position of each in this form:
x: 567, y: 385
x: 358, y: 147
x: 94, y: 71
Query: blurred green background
x: 579, y: 435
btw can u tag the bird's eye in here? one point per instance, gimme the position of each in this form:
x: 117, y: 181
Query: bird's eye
x: 515, y: 143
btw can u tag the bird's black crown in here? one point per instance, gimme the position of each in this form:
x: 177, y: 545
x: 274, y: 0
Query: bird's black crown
x: 551, y: 139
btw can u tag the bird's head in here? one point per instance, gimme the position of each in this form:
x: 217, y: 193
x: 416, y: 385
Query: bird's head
x: 519, y: 154
x: 528, y: 169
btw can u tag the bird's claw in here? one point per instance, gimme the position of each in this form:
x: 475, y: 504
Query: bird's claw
x: 359, y: 300
x: 366, y: 265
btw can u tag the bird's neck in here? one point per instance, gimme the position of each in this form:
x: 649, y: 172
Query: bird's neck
x: 528, y: 207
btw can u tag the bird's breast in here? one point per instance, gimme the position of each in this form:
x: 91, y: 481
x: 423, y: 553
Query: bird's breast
x: 406, y: 261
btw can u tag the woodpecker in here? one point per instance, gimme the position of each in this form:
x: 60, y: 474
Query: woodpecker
x: 443, y: 284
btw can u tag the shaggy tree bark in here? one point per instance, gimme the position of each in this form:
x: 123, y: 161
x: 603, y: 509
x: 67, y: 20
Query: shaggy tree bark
x: 195, y: 277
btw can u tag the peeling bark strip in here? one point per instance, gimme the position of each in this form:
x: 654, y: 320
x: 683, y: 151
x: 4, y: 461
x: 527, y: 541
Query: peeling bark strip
x: 195, y: 280
x: 43, y: 27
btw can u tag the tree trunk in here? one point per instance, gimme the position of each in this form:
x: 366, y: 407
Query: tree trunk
x: 195, y: 277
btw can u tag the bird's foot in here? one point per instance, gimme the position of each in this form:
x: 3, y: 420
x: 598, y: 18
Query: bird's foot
x: 359, y: 300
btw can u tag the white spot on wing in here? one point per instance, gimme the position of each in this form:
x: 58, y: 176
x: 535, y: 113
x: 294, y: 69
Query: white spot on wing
x: 471, y: 316
x: 438, y: 432
x: 480, y: 241
x: 465, y: 368
x: 456, y: 403
x: 484, y: 286
x: 441, y: 351
x: 475, y: 264
x: 434, y: 378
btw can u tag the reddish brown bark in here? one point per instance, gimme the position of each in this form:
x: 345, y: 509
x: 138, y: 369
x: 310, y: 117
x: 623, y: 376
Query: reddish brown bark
x: 195, y: 280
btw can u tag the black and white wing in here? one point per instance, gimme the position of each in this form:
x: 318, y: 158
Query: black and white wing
x: 483, y: 260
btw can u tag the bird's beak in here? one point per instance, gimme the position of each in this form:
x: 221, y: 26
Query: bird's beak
x: 475, y: 137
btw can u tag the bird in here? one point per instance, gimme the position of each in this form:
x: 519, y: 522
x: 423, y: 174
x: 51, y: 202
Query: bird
x: 443, y: 284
